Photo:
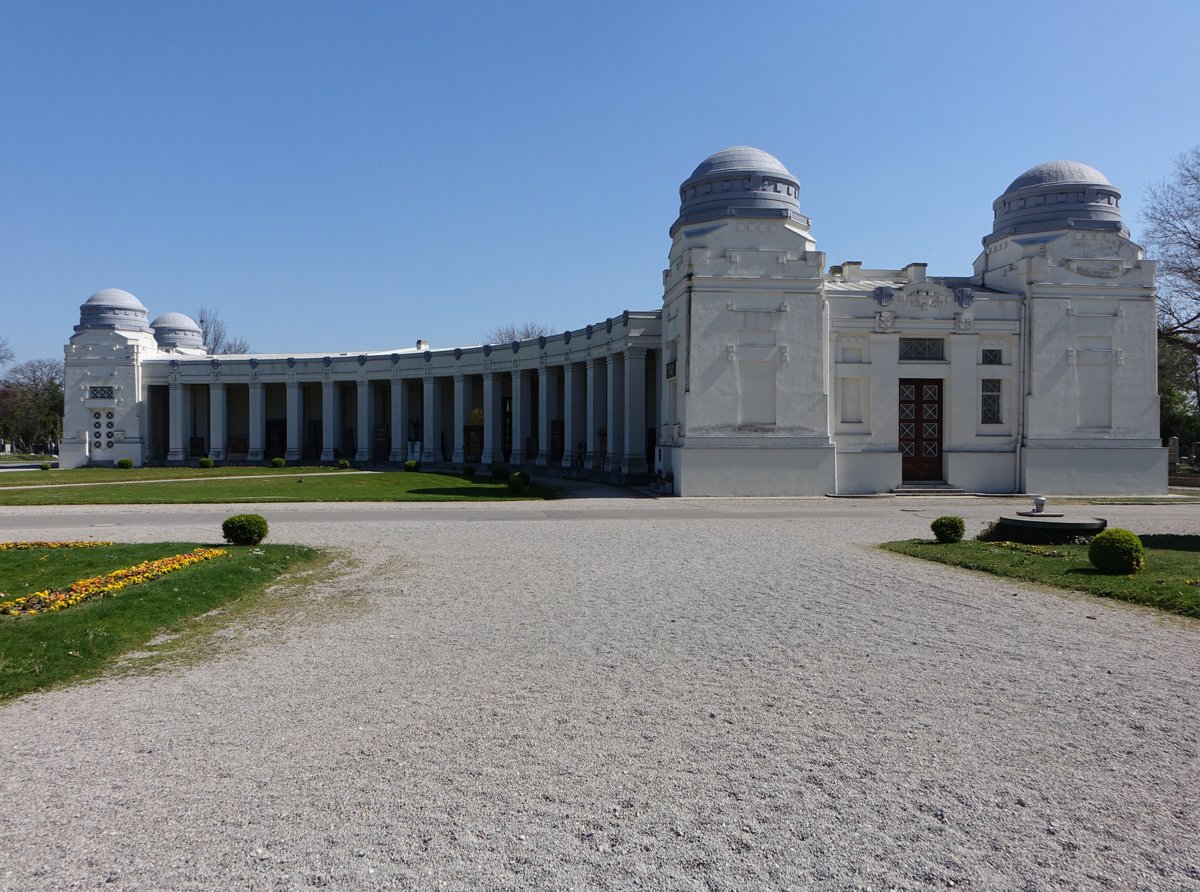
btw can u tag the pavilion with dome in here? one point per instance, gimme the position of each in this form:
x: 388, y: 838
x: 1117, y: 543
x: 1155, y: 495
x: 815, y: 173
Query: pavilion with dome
x: 764, y: 372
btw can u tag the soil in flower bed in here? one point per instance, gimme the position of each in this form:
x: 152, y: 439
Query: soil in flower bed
x: 42, y: 651
x: 1170, y: 581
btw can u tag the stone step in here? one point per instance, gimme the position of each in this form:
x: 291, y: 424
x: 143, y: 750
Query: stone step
x: 928, y: 489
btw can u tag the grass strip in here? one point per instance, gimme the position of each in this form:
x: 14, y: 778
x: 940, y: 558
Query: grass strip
x: 63, y: 476
x: 1170, y: 580
x: 393, y: 486
x: 53, y: 648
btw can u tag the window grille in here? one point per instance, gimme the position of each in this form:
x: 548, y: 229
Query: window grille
x: 922, y: 349
x: 100, y: 392
x: 990, y: 401
x: 993, y: 357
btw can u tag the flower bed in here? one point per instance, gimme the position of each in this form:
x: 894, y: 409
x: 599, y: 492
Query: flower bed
x: 28, y: 546
x: 101, y: 586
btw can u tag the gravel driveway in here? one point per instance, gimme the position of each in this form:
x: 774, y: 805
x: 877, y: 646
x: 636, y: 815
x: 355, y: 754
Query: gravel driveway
x: 625, y: 693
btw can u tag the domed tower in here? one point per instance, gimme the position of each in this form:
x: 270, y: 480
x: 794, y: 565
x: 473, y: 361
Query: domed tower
x: 102, y: 412
x: 1087, y: 370
x: 177, y: 333
x: 745, y: 408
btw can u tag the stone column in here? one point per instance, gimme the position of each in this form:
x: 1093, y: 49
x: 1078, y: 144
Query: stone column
x: 366, y: 434
x: 460, y: 416
x: 597, y: 409
x: 615, y: 416
x: 522, y: 402
x: 176, y: 448
x: 329, y: 419
x: 547, y: 403
x: 258, y: 422
x: 432, y: 423
x: 493, y: 424
x: 295, y: 420
x: 400, y: 410
x: 216, y: 421
x: 634, y: 460
x: 574, y: 401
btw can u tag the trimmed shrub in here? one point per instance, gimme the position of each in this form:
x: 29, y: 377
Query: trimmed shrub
x: 522, y: 475
x: 517, y: 486
x: 500, y: 472
x: 948, y: 528
x: 412, y: 465
x: 205, y: 462
x: 343, y: 464
x: 1117, y: 551
x: 45, y: 466
x: 125, y: 463
x: 468, y: 470
x: 244, y: 529
x: 278, y: 462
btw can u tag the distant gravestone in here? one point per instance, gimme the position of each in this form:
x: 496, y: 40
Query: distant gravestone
x: 1173, y: 454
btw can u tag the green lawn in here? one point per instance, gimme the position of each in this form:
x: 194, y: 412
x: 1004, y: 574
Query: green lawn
x: 49, y: 649
x: 290, y: 486
x: 133, y: 475
x: 1170, y: 580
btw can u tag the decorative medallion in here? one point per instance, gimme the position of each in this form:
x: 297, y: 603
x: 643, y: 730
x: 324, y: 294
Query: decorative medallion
x: 487, y: 349
x: 395, y: 359
x: 254, y: 362
x: 922, y: 298
x: 328, y: 361
x: 885, y: 321
x: 884, y: 295
x: 458, y: 352
x: 566, y: 337
x: 625, y: 319
x: 215, y: 363
x: 291, y: 361
x: 362, y: 359
x: 428, y: 355
x: 516, y: 345
x: 608, y: 325
x: 174, y: 363
x: 542, y: 341
x: 964, y: 297
x: 589, y: 332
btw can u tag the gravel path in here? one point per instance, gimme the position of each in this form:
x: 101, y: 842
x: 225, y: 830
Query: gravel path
x: 612, y: 694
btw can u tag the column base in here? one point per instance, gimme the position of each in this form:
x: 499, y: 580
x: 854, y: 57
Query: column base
x: 362, y: 455
x: 397, y: 455
x: 633, y: 465
x: 516, y: 458
x: 487, y: 458
x: 591, y: 461
x: 176, y: 455
x: 254, y: 455
x: 291, y: 455
x: 217, y: 454
x: 457, y: 457
x: 542, y: 460
x: 326, y: 455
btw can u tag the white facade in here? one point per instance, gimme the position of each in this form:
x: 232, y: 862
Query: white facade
x: 764, y: 373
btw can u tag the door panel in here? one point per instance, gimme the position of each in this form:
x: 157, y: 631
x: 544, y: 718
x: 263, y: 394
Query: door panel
x: 921, y: 423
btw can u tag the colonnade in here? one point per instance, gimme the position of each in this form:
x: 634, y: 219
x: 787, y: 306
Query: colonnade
x: 593, y: 413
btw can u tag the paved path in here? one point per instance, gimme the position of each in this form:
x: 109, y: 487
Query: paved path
x: 677, y: 694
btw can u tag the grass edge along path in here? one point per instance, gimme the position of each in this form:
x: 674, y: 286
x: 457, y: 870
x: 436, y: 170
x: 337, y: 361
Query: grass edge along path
x: 385, y: 486
x: 53, y: 648
x: 1169, y: 582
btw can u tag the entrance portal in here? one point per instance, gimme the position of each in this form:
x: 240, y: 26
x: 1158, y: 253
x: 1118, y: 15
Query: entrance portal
x: 920, y: 429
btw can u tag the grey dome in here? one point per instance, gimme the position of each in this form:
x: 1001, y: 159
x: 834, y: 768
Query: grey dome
x: 741, y: 181
x: 1057, y: 195
x: 177, y: 330
x: 113, y: 308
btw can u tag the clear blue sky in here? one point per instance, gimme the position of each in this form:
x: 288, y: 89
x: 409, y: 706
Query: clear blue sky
x: 354, y: 176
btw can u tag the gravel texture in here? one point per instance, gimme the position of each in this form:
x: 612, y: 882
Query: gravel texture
x: 625, y: 693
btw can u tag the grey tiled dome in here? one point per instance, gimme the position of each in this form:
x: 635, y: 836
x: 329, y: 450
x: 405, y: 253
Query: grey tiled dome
x: 1057, y: 195
x: 113, y: 308
x: 177, y: 330
x: 741, y: 181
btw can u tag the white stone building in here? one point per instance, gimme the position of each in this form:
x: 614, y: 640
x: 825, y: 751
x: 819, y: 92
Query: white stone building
x: 764, y: 372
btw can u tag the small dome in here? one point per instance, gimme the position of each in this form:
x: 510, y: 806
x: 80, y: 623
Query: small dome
x: 1057, y: 195
x: 113, y: 308
x: 177, y: 330
x: 1055, y: 172
x: 740, y: 158
x: 741, y: 181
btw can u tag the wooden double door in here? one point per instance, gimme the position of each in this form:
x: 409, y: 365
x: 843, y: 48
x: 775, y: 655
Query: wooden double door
x: 922, y: 423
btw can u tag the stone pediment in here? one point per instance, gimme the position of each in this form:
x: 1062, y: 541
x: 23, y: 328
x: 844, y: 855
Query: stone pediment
x: 925, y: 295
x: 1097, y: 255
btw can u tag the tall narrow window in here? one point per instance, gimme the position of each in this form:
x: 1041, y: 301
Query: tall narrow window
x: 990, y: 402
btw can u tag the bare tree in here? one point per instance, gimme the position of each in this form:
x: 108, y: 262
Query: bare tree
x: 216, y: 335
x: 31, y: 403
x: 6, y: 352
x: 516, y: 331
x: 1172, y: 237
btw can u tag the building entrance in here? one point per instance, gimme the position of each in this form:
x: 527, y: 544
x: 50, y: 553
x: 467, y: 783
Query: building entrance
x: 920, y: 429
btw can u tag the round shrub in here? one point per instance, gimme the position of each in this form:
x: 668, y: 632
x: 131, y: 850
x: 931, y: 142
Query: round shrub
x: 343, y: 464
x: 1117, y: 551
x: 948, y: 528
x: 412, y: 465
x: 205, y: 462
x: 244, y: 529
x: 45, y: 466
x: 523, y: 476
x: 125, y: 463
x: 500, y: 472
x: 468, y: 470
x: 517, y: 486
x: 278, y: 463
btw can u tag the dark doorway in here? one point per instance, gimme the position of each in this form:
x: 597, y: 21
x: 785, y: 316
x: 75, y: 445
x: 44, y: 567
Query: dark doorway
x: 921, y: 429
